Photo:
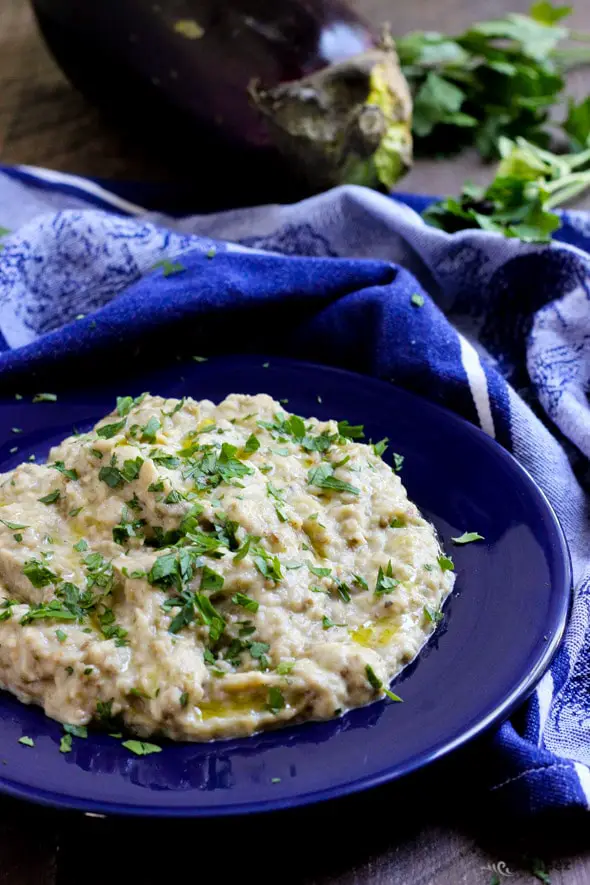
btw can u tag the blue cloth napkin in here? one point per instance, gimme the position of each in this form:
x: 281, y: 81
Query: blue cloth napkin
x: 503, y: 339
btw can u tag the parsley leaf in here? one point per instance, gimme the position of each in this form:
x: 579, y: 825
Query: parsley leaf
x: 79, y: 731
x: 380, y: 447
x: 45, y: 398
x: 468, y: 538
x: 169, y: 268
x: 149, y: 431
x: 245, y: 601
x: 51, y: 498
x: 252, y: 444
x: 107, y: 431
x: 385, y: 580
x: 377, y: 685
x: 26, y: 741
x: 433, y: 615
x: 351, y: 431
x: 323, y: 477
x: 446, y: 563
x: 275, y: 701
x: 14, y: 526
x: 38, y: 573
x: 398, y: 462
x: 65, y: 744
x: 59, y: 465
x: 417, y: 300
x: 320, y: 572
x: 124, y: 405
x: 141, y: 748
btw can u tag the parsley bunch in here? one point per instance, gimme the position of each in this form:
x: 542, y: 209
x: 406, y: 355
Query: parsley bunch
x: 498, y: 78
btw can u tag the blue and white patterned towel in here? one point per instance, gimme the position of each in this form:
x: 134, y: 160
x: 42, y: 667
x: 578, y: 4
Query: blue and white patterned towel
x: 504, y: 339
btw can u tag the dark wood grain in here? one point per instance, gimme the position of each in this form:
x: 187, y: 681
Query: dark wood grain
x: 384, y: 838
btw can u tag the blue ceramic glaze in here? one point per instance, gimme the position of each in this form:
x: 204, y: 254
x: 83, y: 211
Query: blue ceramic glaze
x: 500, y: 630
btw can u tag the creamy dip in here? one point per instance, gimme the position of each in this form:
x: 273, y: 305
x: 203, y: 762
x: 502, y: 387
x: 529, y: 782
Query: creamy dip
x: 202, y: 571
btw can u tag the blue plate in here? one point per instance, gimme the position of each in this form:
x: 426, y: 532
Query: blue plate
x: 501, y: 625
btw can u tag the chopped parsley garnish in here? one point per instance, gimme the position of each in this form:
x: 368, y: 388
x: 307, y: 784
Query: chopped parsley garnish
x: 169, y: 268
x: 104, y: 710
x: 285, y: 667
x: 380, y: 447
x: 343, y: 590
x: 26, y: 741
x: 38, y: 573
x: 377, y: 685
x: 13, y: 526
x: 163, y: 459
x: 351, y: 431
x: 61, y: 635
x: 110, y: 629
x: 107, y: 431
x: 275, y: 701
x: 385, y: 580
x: 417, y: 300
x: 65, y: 744
x: 323, y: 477
x: 51, y: 498
x: 360, y: 582
x: 318, y: 571
x: 81, y: 546
x: 142, y: 748
x: 259, y: 651
x: 397, y: 522
x: 18, y: 537
x: 97, y: 454
x: 149, y: 430
x: 446, y: 563
x: 53, y: 610
x: 114, y: 476
x: 45, y: 398
x: 6, y: 614
x: 174, y: 497
x: 59, y: 465
x: 268, y: 565
x: 200, y: 359
x: 398, y: 462
x: 245, y: 601
x: 433, y: 615
x: 245, y: 548
x: 468, y: 538
x: 16, y: 429
x: 79, y: 731
x: 127, y: 529
x: 252, y: 444
x: 124, y: 405
x: 157, y: 486
x: 275, y: 780
x: 328, y: 622
x: 184, y: 699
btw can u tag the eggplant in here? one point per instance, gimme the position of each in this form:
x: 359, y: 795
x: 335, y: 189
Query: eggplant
x: 299, y: 88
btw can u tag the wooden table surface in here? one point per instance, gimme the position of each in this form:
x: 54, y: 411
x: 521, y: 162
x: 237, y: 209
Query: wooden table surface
x: 422, y: 832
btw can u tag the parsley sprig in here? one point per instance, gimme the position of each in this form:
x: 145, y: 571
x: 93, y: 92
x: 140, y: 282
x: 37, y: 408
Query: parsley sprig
x: 530, y: 183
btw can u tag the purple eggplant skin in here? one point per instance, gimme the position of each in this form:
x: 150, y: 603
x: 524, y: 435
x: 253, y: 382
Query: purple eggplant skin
x: 304, y: 77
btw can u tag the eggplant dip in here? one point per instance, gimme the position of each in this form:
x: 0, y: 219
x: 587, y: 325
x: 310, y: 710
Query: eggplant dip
x: 202, y: 571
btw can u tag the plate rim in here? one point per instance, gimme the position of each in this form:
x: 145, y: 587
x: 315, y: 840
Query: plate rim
x: 518, y: 694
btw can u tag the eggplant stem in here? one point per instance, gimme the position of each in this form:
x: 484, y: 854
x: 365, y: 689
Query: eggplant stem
x: 347, y: 123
